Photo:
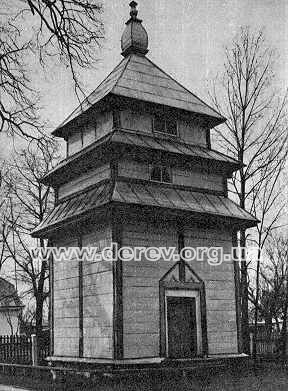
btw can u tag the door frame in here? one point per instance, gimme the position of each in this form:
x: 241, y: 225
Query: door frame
x: 185, y: 293
x: 183, y: 289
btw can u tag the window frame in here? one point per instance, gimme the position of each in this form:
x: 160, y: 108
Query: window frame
x: 116, y: 119
x: 161, y: 166
x: 165, y: 126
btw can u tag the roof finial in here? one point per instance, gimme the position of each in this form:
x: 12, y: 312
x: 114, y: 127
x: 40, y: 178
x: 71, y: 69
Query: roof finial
x: 134, y: 39
x: 133, y: 12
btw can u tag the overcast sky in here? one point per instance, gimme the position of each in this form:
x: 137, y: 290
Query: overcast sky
x: 186, y: 38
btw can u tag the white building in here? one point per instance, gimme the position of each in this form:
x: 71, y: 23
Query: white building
x: 10, y: 308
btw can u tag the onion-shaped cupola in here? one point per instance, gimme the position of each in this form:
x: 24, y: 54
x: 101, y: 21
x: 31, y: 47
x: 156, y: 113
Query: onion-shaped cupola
x: 134, y: 38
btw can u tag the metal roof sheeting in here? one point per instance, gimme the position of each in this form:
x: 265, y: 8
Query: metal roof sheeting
x: 77, y: 205
x: 145, y: 194
x: 139, y: 78
x: 151, y: 194
x: 152, y: 142
x: 170, y: 145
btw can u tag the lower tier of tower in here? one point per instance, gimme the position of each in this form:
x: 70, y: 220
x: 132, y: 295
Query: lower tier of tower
x: 144, y: 309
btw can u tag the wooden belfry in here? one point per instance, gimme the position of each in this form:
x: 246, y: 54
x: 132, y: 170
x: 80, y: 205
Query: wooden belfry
x: 140, y: 171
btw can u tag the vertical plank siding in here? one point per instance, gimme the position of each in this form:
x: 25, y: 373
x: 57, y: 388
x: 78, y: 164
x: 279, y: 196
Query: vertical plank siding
x: 180, y: 176
x: 220, y: 289
x: 132, y: 120
x: 83, y: 181
x: 101, y: 124
x: 141, y: 288
x: 98, y: 298
x: 191, y: 133
x: 132, y: 169
x: 197, y: 179
x: 66, y: 303
x: 74, y: 143
x: 143, y: 122
x: 80, y: 297
x: 96, y: 303
x: 89, y: 134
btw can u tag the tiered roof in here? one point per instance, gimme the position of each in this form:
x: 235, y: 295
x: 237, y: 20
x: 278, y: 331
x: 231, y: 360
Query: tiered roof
x: 137, y: 78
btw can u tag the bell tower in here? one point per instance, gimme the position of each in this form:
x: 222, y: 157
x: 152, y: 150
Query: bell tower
x: 140, y: 172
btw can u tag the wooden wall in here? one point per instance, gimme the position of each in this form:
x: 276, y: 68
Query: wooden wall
x: 220, y: 289
x: 132, y: 120
x: 192, y: 133
x: 181, y: 176
x: 188, y: 131
x: 98, y: 298
x: 101, y: 124
x: 197, y: 179
x: 140, y: 292
x: 141, y: 289
x: 88, y: 178
x: 66, y: 303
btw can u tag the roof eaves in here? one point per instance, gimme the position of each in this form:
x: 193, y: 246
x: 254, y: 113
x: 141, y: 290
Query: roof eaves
x: 218, y: 116
x: 43, y: 229
x: 57, y: 132
x: 74, y: 157
x: 121, y: 74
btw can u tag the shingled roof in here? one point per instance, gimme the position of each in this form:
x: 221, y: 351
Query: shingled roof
x: 8, y: 295
x: 139, y: 78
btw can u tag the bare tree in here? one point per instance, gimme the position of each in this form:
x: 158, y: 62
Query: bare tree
x: 268, y: 203
x: 18, y: 104
x: 13, y: 319
x: 271, y: 300
x: 255, y: 132
x: 5, y: 211
x: 67, y: 31
x: 11, y: 306
x: 31, y: 201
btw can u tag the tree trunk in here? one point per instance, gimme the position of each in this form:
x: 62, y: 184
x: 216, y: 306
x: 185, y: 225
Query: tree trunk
x: 283, y: 335
x: 39, y: 322
x: 255, y: 332
x: 268, y: 325
x: 244, y: 296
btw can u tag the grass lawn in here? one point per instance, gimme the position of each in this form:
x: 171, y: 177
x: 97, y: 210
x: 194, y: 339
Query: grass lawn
x: 268, y: 376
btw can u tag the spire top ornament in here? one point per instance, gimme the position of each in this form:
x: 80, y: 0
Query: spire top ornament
x: 133, y: 12
x: 134, y: 38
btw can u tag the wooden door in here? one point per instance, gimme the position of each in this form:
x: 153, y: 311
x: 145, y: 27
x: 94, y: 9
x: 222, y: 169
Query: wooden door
x: 182, y: 327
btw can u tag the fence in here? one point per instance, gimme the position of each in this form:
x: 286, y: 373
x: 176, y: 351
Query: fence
x: 266, y: 345
x: 17, y: 349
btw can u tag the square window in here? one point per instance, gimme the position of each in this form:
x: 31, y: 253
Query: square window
x: 159, y: 124
x: 171, y: 127
x: 160, y: 173
x: 162, y: 125
x: 166, y: 175
x: 116, y: 119
x: 155, y: 174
